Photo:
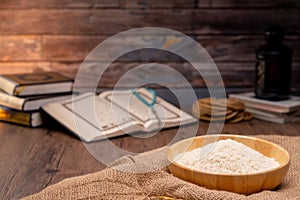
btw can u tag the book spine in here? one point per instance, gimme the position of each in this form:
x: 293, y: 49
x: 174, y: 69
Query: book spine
x: 7, y: 85
x: 261, y: 104
x: 18, y: 90
x: 11, y: 101
x: 13, y: 116
x: 266, y: 107
x: 269, y: 119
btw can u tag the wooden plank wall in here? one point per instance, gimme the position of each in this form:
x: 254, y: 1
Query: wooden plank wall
x: 40, y: 35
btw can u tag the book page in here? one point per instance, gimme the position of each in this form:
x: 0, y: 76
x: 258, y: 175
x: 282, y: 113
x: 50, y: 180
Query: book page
x: 94, y: 117
x: 163, y: 114
x: 103, y: 115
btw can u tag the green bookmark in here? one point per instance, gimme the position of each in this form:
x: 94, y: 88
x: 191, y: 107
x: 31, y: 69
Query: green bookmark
x: 144, y: 101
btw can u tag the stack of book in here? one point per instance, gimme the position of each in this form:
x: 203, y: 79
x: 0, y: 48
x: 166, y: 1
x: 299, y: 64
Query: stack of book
x: 22, y: 95
x: 25, y: 97
x: 274, y: 111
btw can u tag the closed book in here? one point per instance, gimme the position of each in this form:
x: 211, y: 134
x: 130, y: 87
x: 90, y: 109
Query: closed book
x: 32, y: 119
x: 283, y: 111
x: 275, y: 117
x: 283, y: 106
x: 30, y: 102
x: 35, y: 84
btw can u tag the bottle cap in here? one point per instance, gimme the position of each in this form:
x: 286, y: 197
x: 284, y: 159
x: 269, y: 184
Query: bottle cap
x: 274, y: 34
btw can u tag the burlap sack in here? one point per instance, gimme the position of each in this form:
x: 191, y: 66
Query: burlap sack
x: 115, y: 183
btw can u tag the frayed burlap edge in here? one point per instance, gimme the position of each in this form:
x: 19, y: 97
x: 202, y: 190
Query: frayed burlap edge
x: 116, y: 182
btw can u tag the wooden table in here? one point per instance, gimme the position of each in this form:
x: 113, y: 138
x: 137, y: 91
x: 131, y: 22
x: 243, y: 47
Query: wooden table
x: 34, y: 158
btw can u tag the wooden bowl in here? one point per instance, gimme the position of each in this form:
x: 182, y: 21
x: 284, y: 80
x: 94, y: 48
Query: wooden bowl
x: 242, y: 184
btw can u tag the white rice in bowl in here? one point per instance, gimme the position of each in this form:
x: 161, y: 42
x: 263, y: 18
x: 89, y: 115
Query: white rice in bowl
x: 226, y: 157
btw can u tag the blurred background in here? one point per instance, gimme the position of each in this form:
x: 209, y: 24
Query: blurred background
x: 57, y: 35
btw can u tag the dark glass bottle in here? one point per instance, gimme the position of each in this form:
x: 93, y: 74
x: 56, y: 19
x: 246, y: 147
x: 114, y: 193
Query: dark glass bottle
x: 273, y: 67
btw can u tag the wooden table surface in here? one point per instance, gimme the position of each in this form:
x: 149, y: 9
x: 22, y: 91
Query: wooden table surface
x: 34, y: 158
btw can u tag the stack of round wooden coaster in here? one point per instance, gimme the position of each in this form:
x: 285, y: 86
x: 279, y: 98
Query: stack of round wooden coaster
x: 230, y: 110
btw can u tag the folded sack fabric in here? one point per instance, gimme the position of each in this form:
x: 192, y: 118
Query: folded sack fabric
x: 150, y: 182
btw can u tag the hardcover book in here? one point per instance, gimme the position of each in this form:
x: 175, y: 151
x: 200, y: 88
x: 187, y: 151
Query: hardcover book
x: 115, y: 113
x: 281, y: 118
x: 284, y: 106
x: 31, y: 102
x: 32, y: 119
x: 35, y: 84
x: 274, y: 111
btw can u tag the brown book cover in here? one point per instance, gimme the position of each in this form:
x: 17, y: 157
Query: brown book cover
x: 37, y: 78
x: 35, y: 83
x: 32, y: 119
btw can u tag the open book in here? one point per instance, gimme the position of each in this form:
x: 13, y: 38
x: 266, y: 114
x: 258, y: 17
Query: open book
x: 112, y: 113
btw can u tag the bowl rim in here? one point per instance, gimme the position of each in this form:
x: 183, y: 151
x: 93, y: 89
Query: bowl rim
x: 172, y: 161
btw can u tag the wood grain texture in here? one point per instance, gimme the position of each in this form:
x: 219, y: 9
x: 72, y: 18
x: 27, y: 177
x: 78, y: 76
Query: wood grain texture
x: 76, y: 48
x: 242, y: 75
x: 220, y: 48
x: 210, y: 4
x: 24, y: 67
x: 25, y: 4
x: 58, y: 34
x: 244, y: 21
x: 107, y: 21
x: 20, y: 48
x: 235, y: 74
x: 112, y: 21
x: 248, y: 4
x: 145, y: 4
x: 38, y: 152
x: 46, y: 155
